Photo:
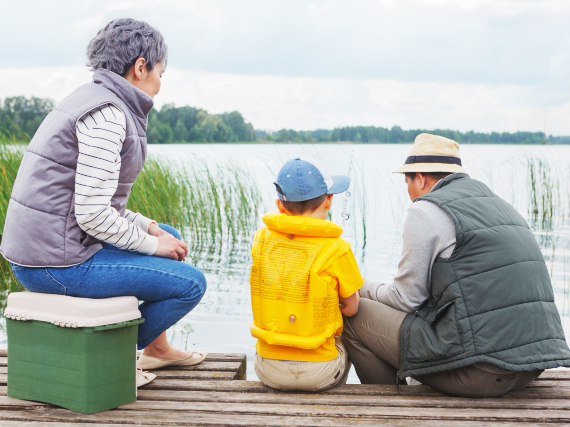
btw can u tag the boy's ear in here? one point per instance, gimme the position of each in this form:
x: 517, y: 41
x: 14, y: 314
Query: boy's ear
x: 280, y: 206
x: 328, y: 201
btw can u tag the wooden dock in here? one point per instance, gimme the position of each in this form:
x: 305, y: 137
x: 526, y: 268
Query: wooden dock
x: 216, y: 393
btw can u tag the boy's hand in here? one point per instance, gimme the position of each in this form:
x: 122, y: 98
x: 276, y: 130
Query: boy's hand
x: 155, y: 230
x: 350, y: 304
x: 170, y: 247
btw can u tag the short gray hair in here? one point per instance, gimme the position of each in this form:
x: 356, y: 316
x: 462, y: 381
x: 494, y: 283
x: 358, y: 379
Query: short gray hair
x: 121, y: 42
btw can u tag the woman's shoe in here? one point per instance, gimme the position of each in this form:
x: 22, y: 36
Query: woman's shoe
x: 149, y: 362
x: 143, y: 378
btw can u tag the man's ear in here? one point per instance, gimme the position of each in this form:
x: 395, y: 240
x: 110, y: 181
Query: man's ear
x: 280, y: 206
x: 422, y: 181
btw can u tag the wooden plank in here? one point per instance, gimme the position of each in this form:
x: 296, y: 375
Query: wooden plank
x: 52, y: 424
x: 194, y: 375
x: 211, y: 357
x: 352, y: 389
x: 316, y: 399
x: 355, y: 400
x: 170, y: 374
x: 215, y: 362
x: 364, y: 412
x: 223, y: 406
x: 214, y: 357
x: 47, y: 415
x: 555, y: 374
x: 226, y: 357
x: 319, y: 399
x: 207, y: 365
x: 239, y: 386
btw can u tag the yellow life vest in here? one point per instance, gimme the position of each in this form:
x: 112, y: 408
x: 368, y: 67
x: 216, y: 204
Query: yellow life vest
x: 295, y: 304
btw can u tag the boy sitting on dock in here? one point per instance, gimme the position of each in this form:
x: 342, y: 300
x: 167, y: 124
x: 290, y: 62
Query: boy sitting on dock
x: 302, y: 273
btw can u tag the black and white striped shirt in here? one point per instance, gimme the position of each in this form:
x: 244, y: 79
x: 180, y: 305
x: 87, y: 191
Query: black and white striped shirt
x: 101, y: 134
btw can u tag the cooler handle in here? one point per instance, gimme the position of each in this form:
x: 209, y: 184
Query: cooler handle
x: 119, y: 325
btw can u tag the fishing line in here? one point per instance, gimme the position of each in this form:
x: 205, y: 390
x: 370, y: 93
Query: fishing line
x: 345, y: 215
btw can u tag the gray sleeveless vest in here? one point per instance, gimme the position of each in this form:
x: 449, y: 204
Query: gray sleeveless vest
x: 491, y: 300
x: 40, y: 228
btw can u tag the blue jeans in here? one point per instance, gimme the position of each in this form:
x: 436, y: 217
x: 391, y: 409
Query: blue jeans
x: 170, y: 289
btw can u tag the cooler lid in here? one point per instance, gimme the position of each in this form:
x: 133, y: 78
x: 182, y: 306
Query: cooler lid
x: 71, y: 312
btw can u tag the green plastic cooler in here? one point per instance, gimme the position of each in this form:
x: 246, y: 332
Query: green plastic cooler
x: 78, y: 353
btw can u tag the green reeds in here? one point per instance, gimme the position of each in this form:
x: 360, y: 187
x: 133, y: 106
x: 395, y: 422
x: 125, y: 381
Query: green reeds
x: 214, y: 208
x: 544, y: 193
x: 10, y: 158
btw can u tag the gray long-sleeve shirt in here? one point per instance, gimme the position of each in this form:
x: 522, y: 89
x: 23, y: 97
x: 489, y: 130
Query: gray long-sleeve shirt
x: 429, y: 232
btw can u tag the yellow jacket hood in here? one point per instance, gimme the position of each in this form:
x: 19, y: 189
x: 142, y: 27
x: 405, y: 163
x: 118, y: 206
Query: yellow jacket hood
x: 301, y: 225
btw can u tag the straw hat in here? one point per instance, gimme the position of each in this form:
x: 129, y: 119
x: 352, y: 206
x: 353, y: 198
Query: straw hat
x: 433, y: 153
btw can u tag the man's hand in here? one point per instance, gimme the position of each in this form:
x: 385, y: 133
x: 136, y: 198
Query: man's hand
x: 170, y: 247
x: 155, y: 230
x: 368, y: 291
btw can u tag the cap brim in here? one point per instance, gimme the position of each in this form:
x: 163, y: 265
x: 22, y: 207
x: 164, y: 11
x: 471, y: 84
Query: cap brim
x: 430, y: 167
x: 340, y: 184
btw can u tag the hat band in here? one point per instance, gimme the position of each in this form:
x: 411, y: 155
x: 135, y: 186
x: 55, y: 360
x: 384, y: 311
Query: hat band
x: 433, y: 159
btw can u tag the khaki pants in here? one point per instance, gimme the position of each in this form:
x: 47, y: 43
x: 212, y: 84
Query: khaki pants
x: 309, y: 376
x: 372, y: 339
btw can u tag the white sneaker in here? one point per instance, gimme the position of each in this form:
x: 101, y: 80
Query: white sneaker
x: 412, y: 381
x: 143, y: 378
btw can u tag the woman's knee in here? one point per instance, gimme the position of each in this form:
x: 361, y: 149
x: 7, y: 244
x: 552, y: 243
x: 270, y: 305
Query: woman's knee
x: 171, y: 230
x: 194, y: 286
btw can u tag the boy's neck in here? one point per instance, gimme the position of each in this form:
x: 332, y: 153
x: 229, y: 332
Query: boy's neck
x: 318, y: 214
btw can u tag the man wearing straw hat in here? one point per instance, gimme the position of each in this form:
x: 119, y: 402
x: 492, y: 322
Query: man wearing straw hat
x: 471, y: 311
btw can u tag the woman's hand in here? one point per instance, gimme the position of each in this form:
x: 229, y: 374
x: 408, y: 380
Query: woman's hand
x: 170, y: 247
x: 155, y: 230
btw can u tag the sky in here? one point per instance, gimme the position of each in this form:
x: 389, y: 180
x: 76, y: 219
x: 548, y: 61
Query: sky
x: 483, y: 65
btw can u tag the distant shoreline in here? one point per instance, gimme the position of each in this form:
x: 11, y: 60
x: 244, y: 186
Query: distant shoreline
x: 349, y: 143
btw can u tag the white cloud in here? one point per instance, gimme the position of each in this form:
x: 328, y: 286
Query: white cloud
x: 483, y: 41
x: 274, y: 102
x: 91, y: 24
x: 43, y: 82
x: 510, y: 7
x: 470, y: 64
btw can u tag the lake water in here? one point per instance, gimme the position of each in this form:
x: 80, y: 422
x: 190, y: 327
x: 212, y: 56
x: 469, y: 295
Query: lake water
x: 532, y: 178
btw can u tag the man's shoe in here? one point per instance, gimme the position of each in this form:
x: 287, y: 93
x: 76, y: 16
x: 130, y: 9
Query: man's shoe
x: 143, y: 378
x: 149, y: 362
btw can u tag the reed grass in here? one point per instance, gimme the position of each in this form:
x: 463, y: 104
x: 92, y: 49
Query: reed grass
x: 10, y: 159
x: 214, y: 207
x: 544, y: 193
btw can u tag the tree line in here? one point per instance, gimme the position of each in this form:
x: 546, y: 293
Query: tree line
x: 395, y: 135
x: 190, y: 124
x: 20, y: 117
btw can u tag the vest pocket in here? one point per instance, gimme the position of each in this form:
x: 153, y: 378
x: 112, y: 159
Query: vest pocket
x: 435, y: 335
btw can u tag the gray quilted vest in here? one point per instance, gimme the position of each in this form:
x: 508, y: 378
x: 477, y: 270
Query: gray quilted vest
x: 491, y: 300
x: 40, y: 228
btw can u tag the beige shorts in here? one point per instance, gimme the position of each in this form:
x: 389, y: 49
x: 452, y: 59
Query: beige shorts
x: 309, y: 376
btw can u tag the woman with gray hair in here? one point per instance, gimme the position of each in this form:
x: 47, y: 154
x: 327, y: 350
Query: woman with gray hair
x: 67, y: 229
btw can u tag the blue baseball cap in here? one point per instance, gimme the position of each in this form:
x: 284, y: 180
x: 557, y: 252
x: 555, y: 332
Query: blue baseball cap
x: 305, y: 178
